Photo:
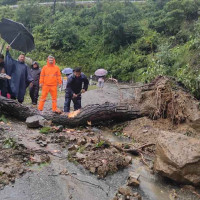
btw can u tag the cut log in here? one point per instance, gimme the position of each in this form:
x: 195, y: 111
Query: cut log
x: 93, y: 113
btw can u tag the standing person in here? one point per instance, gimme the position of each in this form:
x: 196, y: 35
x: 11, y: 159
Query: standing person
x: 100, y: 82
x: 3, y: 83
x: 34, y: 90
x: 77, y: 83
x: 20, y: 74
x: 90, y: 81
x: 50, y: 78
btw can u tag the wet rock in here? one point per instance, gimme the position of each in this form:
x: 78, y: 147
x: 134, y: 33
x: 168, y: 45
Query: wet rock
x: 43, y: 143
x: 81, y: 141
x: 126, y: 191
x: 178, y: 158
x: 92, y: 170
x: 35, y: 121
x: 73, y: 147
x: 134, y: 175
x: 72, y: 138
x: 45, y: 158
x: 57, y: 129
x: 133, y: 182
x: 128, y: 159
x: 80, y: 156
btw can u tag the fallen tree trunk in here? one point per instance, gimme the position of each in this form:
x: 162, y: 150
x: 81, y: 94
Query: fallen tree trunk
x: 93, y: 113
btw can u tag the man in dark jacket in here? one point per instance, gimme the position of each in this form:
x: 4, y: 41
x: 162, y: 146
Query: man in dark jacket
x: 20, y: 76
x: 77, y: 83
x: 34, y: 89
x: 3, y: 83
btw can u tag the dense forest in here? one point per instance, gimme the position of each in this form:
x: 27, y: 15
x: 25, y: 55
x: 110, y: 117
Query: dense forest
x: 133, y: 41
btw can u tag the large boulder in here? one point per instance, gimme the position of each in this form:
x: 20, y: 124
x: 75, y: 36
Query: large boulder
x: 178, y: 158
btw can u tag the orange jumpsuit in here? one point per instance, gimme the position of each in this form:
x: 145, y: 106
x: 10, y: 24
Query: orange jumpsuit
x: 50, y: 78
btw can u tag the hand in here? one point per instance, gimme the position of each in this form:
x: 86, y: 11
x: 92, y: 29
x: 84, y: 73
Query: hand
x: 59, y: 85
x: 83, y: 91
x: 74, y: 95
x: 8, y: 48
x: 41, y: 85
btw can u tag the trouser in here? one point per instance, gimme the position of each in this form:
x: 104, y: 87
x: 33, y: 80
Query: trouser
x: 100, y: 84
x: 76, y: 101
x: 34, y: 94
x: 3, y: 88
x: 53, y: 91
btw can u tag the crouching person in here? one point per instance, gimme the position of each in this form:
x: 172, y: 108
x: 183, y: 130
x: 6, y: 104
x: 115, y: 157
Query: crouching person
x: 50, y: 78
x: 77, y: 83
x: 34, y: 89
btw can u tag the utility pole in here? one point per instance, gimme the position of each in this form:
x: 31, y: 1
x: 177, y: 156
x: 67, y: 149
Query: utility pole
x: 54, y: 7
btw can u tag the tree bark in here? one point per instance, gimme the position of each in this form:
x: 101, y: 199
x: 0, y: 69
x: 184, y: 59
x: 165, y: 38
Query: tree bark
x: 93, y: 113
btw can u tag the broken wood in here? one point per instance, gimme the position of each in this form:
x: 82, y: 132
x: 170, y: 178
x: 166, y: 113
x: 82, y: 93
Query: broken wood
x: 95, y: 113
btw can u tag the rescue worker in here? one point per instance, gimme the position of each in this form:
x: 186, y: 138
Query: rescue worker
x: 50, y: 78
x: 3, y: 83
x: 77, y: 83
x: 20, y: 74
x: 34, y: 90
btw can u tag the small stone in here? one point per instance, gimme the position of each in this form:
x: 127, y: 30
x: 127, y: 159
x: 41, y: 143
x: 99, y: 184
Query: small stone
x: 21, y: 171
x: 60, y: 128
x: 92, y: 170
x: 134, y: 175
x: 81, y: 141
x: 126, y: 191
x: 80, y: 156
x: 72, y: 138
x: 133, y: 182
x: 128, y: 159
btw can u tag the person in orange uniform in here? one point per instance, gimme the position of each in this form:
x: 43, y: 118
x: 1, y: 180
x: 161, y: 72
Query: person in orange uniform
x: 50, y: 78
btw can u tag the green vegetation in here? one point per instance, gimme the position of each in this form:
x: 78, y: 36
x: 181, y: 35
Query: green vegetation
x: 81, y: 149
x: 100, y: 144
x: 133, y: 41
x: 45, y: 130
x: 9, y: 143
x: 103, y: 144
x: 3, y: 119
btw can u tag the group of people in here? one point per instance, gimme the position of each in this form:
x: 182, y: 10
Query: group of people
x: 49, y: 79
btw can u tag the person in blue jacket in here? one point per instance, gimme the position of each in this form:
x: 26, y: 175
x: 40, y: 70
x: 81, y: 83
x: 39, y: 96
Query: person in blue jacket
x: 20, y: 74
x: 77, y: 83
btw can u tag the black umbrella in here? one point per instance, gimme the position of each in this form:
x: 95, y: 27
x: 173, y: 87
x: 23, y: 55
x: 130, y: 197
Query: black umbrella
x: 16, y: 35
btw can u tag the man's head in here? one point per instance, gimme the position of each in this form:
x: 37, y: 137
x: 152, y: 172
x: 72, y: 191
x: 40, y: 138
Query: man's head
x: 77, y: 71
x: 21, y: 58
x: 1, y: 58
x: 50, y: 59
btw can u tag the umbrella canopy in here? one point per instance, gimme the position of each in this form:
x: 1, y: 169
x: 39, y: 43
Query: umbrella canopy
x: 16, y: 35
x: 67, y: 71
x: 101, y: 72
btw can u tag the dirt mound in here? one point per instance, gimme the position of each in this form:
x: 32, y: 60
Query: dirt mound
x: 13, y: 160
x: 95, y: 153
x: 165, y: 98
x: 145, y: 130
